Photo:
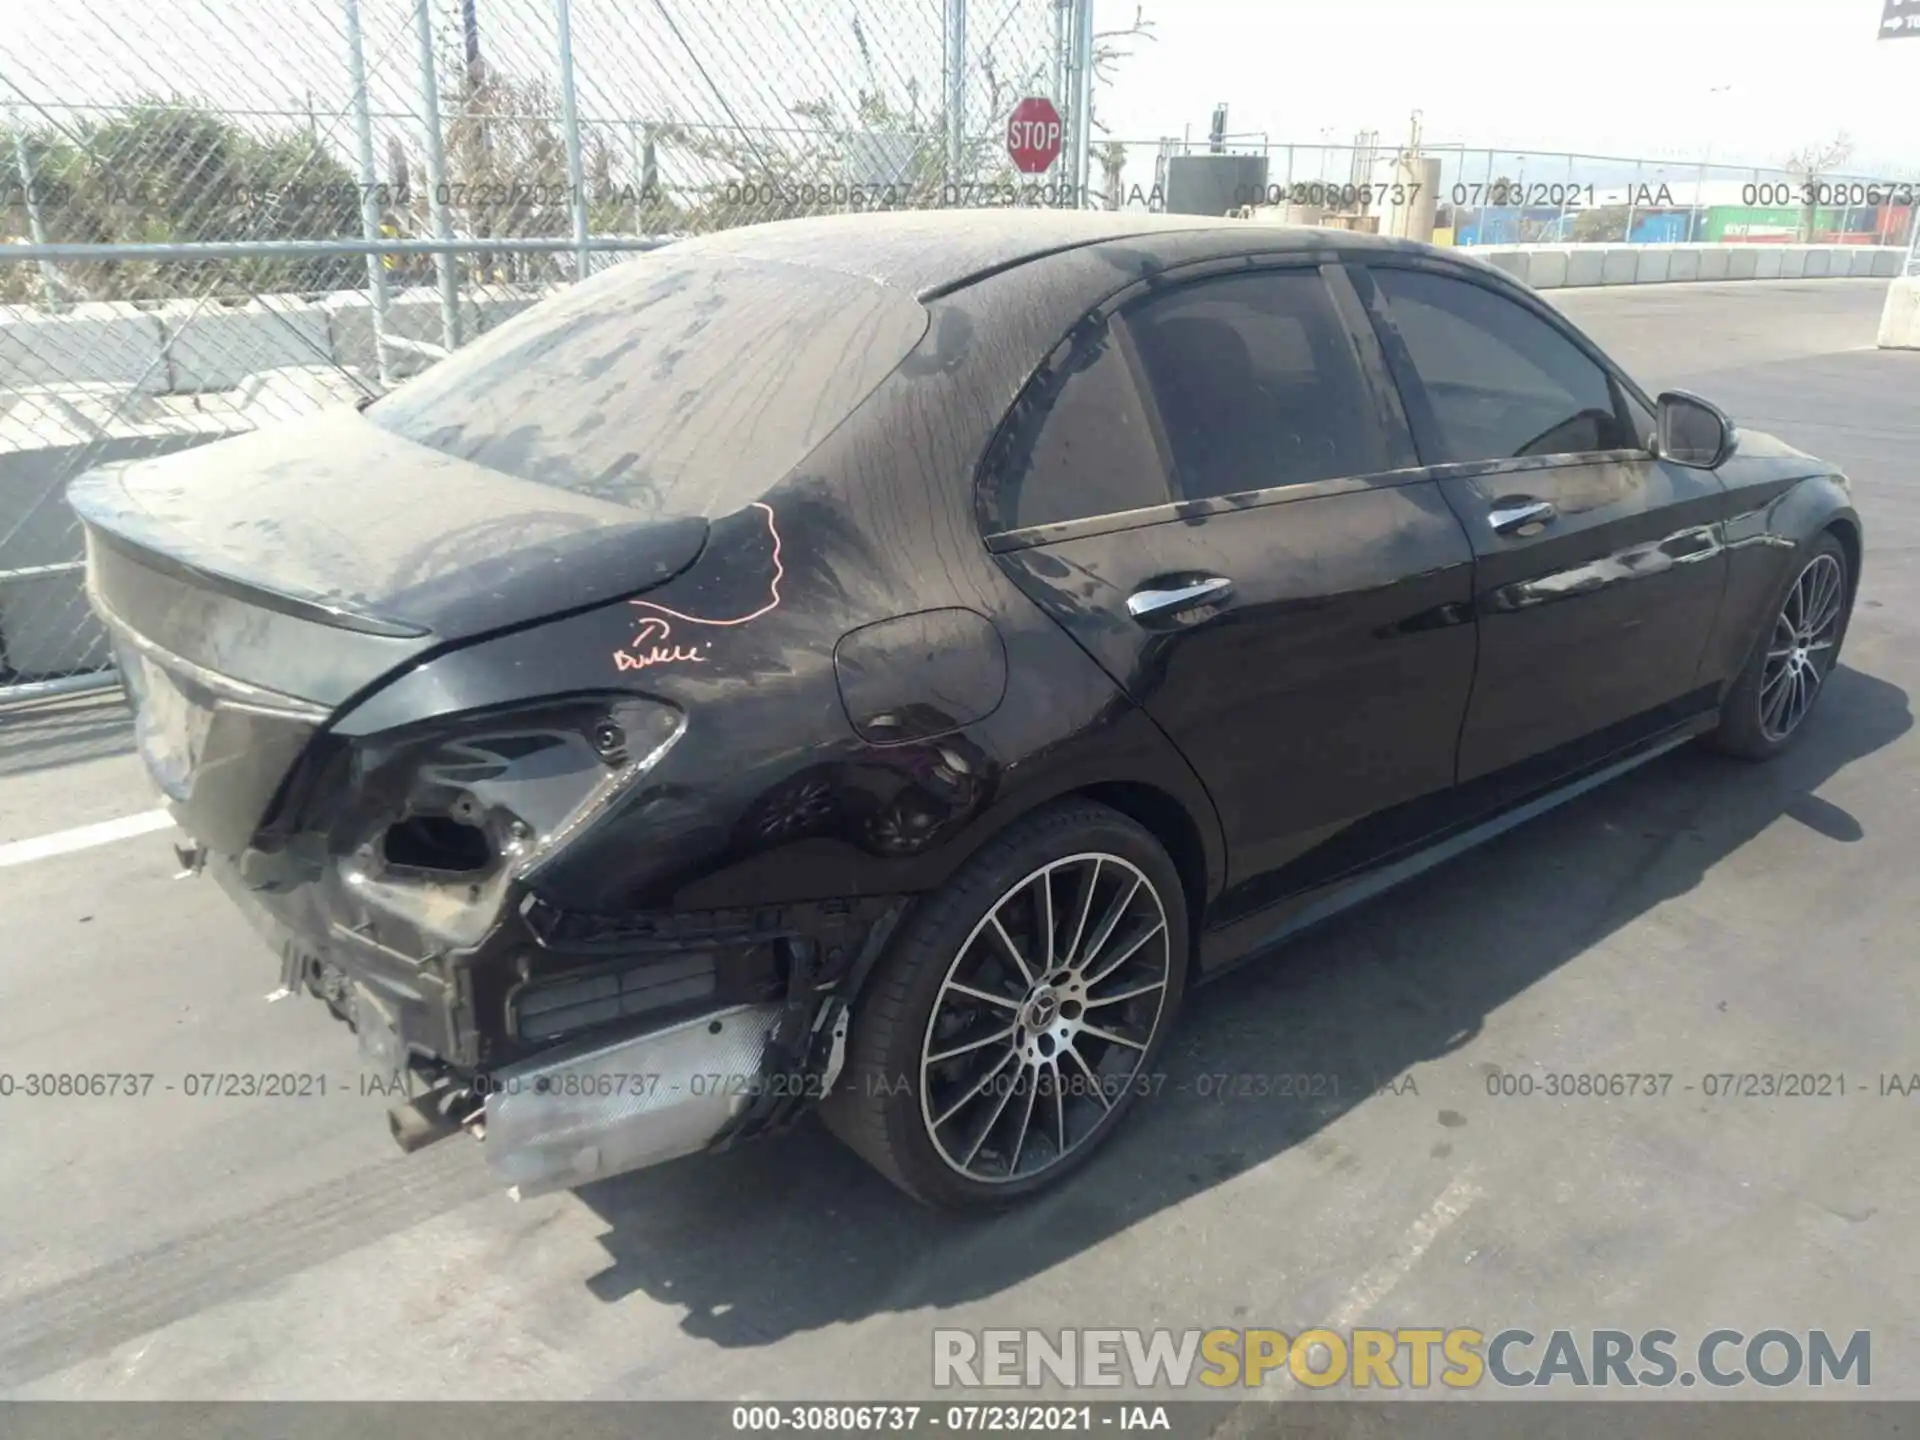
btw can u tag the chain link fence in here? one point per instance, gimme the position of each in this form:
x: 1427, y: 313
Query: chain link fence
x: 224, y: 215
x: 1505, y: 197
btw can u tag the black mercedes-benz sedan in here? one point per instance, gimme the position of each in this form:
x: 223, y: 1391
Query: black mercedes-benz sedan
x: 876, y: 664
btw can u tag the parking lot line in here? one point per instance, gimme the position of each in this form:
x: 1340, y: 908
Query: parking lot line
x: 83, y: 837
x: 1371, y: 1288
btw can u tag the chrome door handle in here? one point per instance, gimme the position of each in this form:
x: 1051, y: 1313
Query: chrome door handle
x: 1508, y: 516
x: 1152, y: 603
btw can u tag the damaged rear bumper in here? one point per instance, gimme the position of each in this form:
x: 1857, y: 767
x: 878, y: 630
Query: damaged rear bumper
x: 735, y: 1060
x: 555, y: 1123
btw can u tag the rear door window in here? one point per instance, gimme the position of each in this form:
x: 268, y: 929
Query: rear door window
x: 675, y: 384
x: 1078, y: 444
x: 1257, y: 384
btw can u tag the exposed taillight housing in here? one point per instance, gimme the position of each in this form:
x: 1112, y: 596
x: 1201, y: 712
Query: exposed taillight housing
x: 436, y: 821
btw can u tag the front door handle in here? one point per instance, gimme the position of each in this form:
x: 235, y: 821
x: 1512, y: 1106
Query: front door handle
x: 1166, y: 602
x: 1517, y: 513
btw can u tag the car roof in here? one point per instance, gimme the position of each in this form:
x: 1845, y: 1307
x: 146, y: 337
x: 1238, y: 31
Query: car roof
x: 935, y: 252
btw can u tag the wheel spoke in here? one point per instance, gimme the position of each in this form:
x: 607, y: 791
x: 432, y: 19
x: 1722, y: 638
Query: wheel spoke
x: 993, y: 1119
x: 983, y: 995
x: 1128, y: 953
x: 978, y: 1085
x: 1816, y: 596
x: 1026, y: 1122
x: 970, y: 1047
x: 1071, y: 955
x: 1809, y: 684
x: 1099, y: 1034
x: 1826, y: 612
x: 1104, y: 931
x: 1133, y: 994
x: 1093, y: 1080
x: 1797, y: 603
x: 1045, y: 921
x: 1771, y: 707
x: 1826, y: 603
x: 1012, y: 949
x: 1059, y: 1110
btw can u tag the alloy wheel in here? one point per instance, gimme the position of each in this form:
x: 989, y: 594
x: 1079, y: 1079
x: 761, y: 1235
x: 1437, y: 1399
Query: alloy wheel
x: 1044, y: 1018
x: 1800, y: 649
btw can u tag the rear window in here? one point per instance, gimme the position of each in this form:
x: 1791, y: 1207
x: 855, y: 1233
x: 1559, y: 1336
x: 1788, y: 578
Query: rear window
x: 677, y: 385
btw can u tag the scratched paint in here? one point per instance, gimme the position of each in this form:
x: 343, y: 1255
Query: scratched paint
x: 654, y: 642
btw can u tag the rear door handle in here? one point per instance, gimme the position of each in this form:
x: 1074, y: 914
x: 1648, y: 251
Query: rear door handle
x: 1517, y: 513
x: 1167, y: 602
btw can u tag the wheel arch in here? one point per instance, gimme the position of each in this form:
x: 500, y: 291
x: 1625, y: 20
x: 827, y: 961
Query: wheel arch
x: 1154, y: 808
x: 1846, y: 529
x: 1168, y: 821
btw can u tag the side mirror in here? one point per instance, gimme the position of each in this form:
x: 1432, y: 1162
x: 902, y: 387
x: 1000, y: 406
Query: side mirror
x: 1692, y: 431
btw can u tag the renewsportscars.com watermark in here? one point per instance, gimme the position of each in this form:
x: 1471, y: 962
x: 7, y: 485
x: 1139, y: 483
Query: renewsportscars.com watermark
x: 1409, y: 1358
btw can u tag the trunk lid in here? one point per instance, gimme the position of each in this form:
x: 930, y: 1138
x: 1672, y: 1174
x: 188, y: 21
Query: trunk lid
x: 253, y: 586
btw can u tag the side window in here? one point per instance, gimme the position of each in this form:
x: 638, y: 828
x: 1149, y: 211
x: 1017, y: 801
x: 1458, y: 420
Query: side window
x: 1257, y: 384
x: 1502, y: 382
x: 1079, y: 444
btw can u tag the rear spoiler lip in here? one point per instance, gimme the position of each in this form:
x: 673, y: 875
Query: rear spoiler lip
x: 237, y: 694
x: 91, y: 496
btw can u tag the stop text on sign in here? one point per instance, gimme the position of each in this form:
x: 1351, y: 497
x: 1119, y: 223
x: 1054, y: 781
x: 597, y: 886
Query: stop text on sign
x: 1034, y: 135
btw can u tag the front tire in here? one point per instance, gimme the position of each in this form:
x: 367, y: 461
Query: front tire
x: 1767, y: 707
x: 1018, y: 1012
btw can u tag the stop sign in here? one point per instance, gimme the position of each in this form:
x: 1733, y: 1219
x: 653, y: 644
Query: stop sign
x: 1033, y: 135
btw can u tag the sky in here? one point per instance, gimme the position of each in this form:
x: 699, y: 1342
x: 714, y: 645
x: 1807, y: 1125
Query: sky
x: 1625, y: 77
x: 1730, y: 80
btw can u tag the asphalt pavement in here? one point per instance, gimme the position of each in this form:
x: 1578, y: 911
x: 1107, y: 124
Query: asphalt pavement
x: 1700, y: 918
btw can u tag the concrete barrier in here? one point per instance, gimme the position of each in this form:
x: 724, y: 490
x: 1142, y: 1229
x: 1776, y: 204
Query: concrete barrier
x: 105, y: 343
x: 1544, y: 269
x: 412, y: 315
x: 186, y: 347
x: 1900, y: 320
x: 214, y: 347
x: 46, y: 628
x: 1586, y: 265
x: 1620, y: 267
x: 1549, y: 267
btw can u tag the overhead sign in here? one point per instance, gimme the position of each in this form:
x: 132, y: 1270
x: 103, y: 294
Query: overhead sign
x: 1900, y: 20
x: 1033, y: 135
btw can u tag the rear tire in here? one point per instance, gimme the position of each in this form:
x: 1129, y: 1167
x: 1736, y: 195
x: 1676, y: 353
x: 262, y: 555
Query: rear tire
x: 986, y: 1064
x: 1767, y: 707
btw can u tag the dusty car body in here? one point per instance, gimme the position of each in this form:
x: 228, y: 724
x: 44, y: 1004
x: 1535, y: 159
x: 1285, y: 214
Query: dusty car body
x: 592, y: 721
